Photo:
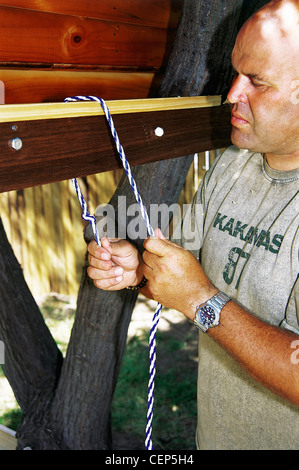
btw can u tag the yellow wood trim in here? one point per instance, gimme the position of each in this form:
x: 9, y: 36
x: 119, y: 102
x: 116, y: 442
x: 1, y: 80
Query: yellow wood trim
x: 33, y: 112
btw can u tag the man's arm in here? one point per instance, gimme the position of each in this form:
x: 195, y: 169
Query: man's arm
x: 176, y: 280
x: 263, y: 350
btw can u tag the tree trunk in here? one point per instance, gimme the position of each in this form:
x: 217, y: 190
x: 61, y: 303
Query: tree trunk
x: 68, y: 407
x: 32, y: 359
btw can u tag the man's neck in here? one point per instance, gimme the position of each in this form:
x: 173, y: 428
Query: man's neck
x: 283, y: 162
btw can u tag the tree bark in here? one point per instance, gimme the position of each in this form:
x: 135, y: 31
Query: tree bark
x: 32, y: 359
x: 68, y: 407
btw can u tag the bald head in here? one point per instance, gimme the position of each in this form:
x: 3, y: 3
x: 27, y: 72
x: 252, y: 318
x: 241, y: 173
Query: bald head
x: 282, y: 12
x: 263, y: 96
x: 276, y: 25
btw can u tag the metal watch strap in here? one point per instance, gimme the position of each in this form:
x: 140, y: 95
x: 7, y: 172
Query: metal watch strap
x: 218, y: 301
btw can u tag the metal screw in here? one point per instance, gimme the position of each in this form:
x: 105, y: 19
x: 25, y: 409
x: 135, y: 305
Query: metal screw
x: 159, y: 131
x: 16, y: 143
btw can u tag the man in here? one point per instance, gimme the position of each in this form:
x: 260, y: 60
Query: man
x: 248, y: 380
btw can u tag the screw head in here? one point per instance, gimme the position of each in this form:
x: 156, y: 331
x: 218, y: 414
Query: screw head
x: 159, y: 131
x: 16, y: 143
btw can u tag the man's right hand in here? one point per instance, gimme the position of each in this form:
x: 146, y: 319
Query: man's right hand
x: 114, y: 265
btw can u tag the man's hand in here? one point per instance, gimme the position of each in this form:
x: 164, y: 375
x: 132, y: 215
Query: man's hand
x: 114, y: 265
x: 175, y: 277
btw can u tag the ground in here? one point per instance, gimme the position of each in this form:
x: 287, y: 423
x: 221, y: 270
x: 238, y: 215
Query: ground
x: 176, y: 363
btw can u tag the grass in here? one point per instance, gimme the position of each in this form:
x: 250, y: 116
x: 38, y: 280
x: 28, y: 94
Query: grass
x: 175, y: 393
x: 175, y: 389
x: 12, y: 419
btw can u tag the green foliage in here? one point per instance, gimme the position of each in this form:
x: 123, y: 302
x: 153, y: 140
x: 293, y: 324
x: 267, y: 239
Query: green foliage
x: 11, y: 419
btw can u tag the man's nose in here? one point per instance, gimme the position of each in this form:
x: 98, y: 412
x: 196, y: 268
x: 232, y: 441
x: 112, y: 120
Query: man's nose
x: 237, y: 92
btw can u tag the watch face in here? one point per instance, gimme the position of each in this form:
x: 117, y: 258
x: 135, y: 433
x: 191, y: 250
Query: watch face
x: 207, y: 315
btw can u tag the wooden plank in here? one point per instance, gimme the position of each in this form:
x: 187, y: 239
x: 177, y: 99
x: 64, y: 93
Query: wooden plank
x: 30, y: 240
x: 30, y: 112
x: 41, y: 230
x: 15, y: 234
x: 37, y: 86
x: 4, y: 211
x: 8, y: 439
x: 47, y: 38
x: 55, y: 150
x: 69, y: 241
x: 158, y: 13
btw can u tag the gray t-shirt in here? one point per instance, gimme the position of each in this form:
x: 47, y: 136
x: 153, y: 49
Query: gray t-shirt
x: 249, y: 250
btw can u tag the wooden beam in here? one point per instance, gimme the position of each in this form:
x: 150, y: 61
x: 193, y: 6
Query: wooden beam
x: 37, y: 37
x: 43, y: 86
x: 155, y: 13
x: 71, y: 146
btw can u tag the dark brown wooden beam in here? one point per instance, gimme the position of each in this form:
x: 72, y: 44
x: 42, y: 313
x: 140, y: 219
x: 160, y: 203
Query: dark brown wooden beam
x: 58, y: 149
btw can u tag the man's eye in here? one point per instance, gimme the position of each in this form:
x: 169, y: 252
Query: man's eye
x: 257, y: 84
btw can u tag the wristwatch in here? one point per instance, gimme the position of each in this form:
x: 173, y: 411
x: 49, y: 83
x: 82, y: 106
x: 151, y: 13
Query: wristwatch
x: 207, y: 315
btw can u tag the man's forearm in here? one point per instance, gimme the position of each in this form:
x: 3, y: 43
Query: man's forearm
x: 265, y: 351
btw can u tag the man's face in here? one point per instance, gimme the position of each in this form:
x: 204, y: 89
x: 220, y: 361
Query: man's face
x: 265, y: 115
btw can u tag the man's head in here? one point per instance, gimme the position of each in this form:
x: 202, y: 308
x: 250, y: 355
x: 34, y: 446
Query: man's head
x: 264, y: 96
